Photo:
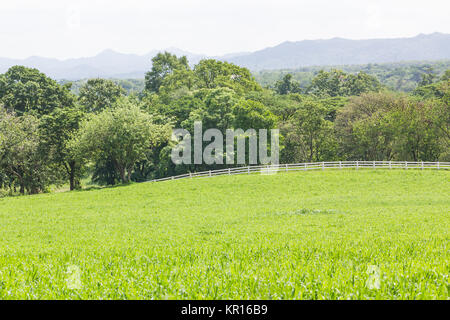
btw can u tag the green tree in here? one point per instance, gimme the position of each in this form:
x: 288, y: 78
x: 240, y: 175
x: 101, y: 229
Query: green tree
x: 357, y: 84
x: 123, y: 135
x: 210, y: 74
x: 386, y: 126
x: 446, y: 76
x: 338, y: 83
x: 56, y: 130
x: 21, y: 156
x: 217, y: 110
x: 287, y: 85
x: 327, y: 83
x: 249, y: 114
x: 26, y: 90
x: 427, y: 77
x: 362, y: 129
x: 177, y: 111
x: 308, y: 136
x: 163, y: 64
x: 99, y: 94
x: 283, y: 106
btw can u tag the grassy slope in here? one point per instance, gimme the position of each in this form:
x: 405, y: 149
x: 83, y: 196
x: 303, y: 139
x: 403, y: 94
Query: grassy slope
x: 234, y: 237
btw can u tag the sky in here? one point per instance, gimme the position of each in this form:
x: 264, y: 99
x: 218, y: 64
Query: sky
x: 69, y: 29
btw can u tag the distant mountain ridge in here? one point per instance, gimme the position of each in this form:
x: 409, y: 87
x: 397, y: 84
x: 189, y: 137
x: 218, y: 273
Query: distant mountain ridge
x: 338, y: 51
x: 107, y: 64
x: 287, y: 55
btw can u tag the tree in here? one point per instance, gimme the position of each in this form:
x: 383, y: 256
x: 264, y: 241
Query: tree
x: 56, y: 130
x: 308, y: 136
x: 327, y: 83
x: 21, y: 156
x: 123, y: 135
x: 210, y: 74
x: 26, y: 90
x: 177, y: 110
x: 176, y: 86
x: 338, y: 83
x: 217, y: 110
x: 416, y: 134
x: 446, y: 75
x: 163, y: 64
x: 440, y: 117
x: 385, y: 126
x: 427, y: 77
x: 99, y: 94
x: 283, y: 106
x: 357, y: 84
x: 249, y: 114
x: 362, y: 129
x: 287, y: 85
x: 437, y: 96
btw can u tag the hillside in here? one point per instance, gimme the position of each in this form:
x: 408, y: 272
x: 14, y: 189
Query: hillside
x: 107, y: 64
x: 312, y: 235
x: 336, y: 51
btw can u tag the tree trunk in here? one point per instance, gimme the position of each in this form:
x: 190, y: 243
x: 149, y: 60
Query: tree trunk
x: 122, y: 174
x: 129, y: 171
x: 73, y: 180
x: 121, y: 169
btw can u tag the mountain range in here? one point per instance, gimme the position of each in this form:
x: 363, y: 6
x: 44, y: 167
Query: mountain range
x: 287, y: 55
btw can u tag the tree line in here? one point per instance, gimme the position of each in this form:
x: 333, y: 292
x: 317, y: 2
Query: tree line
x: 50, y: 136
x: 397, y: 76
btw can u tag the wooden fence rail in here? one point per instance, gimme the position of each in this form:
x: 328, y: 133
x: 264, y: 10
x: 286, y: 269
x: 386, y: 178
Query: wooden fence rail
x: 271, y: 169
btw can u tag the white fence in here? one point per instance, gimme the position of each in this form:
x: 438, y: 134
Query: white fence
x: 270, y: 169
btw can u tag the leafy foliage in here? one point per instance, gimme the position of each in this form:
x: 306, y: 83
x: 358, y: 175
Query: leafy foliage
x: 26, y: 90
x: 121, y: 136
x: 98, y: 94
x: 22, y: 160
x: 163, y: 64
x: 399, y: 76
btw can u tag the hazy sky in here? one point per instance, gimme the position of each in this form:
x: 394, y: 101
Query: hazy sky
x: 63, y: 29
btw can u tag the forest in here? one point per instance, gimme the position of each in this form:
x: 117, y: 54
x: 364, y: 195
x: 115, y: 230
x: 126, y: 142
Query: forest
x: 106, y: 132
x: 397, y: 76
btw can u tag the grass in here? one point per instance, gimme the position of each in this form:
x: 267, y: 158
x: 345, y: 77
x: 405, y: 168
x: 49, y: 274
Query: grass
x: 343, y: 234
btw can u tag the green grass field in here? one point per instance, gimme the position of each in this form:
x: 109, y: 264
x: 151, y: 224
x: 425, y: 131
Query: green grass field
x: 342, y: 234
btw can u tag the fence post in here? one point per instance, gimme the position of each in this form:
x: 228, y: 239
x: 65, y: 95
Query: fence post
x: 286, y: 167
x: 305, y: 166
x: 438, y: 165
x: 323, y: 165
x: 374, y: 164
x: 422, y: 165
x: 390, y: 164
x: 340, y: 164
x: 406, y: 165
x: 210, y: 173
x: 357, y: 164
x: 229, y: 171
x: 190, y: 174
x: 173, y: 177
x: 248, y: 169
